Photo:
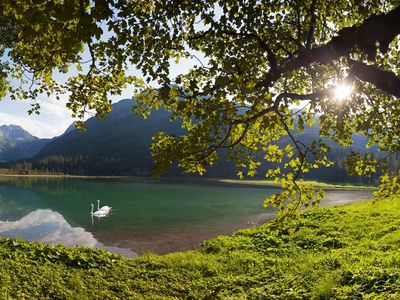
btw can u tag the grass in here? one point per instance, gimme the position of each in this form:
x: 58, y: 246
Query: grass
x: 346, y: 252
x: 316, y: 184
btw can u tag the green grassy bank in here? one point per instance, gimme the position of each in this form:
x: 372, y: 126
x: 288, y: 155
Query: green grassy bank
x: 316, y: 184
x: 346, y: 252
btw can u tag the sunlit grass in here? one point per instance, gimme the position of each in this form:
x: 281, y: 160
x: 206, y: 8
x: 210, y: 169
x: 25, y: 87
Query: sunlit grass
x: 313, y: 182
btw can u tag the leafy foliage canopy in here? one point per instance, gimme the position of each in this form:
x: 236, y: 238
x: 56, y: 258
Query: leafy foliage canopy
x: 264, y: 70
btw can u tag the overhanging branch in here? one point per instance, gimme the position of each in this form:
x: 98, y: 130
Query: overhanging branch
x: 381, y: 29
x: 384, y: 80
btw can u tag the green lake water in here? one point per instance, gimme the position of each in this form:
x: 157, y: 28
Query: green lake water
x: 147, y: 216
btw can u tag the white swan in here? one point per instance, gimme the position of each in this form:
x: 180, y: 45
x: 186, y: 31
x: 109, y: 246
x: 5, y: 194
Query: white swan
x: 98, y: 213
x: 105, y: 208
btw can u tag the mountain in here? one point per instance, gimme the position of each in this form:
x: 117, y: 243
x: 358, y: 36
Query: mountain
x: 16, y: 143
x: 118, y: 145
x: 15, y: 133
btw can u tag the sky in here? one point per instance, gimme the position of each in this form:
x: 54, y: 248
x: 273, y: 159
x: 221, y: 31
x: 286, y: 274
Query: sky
x: 52, y: 121
x: 54, y: 117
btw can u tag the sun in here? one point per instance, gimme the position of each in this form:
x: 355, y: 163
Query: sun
x: 342, y: 91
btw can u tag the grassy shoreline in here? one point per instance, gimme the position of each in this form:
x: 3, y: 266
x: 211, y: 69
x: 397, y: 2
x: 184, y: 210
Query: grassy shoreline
x: 346, y: 252
x: 316, y: 184
x: 255, y: 182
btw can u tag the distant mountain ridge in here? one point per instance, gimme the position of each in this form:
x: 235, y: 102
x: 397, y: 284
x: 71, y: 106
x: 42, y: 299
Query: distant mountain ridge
x: 14, y: 132
x: 120, y: 145
x: 17, y: 143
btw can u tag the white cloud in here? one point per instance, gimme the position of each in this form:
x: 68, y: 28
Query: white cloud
x: 37, y: 126
x: 50, y: 227
x: 53, y: 120
x: 55, y: 107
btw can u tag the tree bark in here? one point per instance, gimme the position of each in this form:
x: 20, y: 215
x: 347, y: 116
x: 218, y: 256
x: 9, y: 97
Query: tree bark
x: 383, y: 80
x: 376, y: 29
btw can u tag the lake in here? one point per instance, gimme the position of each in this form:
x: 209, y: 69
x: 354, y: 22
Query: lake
x: 147, y: 216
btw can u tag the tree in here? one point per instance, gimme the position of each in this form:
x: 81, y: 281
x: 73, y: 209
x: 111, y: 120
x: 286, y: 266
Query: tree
x: 265, y: 70
x: 7, y: 40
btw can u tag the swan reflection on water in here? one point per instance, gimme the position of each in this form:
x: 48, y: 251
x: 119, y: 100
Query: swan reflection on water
x: 100, y: 212
x: 98, y: 217
x: 50, y: 227
x: 105, y: 209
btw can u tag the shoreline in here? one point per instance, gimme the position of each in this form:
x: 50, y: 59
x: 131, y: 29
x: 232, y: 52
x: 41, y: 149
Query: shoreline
x: 223, y: 181
x: 316, y: 184
x: 67, y: 176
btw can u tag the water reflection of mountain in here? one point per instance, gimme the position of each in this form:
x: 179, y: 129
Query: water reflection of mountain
x: 19, y: 196
x: 143, y: 206
x: 46, y: 226
x: 16, y: 202
x: 143, y: 211
x: 49, y: 227
x: 146, y: 215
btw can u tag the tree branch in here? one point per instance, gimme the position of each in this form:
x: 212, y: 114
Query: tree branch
x: 261, y: 43
x: 380, y: 29
x: 384, y: 80
x: 310, y: 35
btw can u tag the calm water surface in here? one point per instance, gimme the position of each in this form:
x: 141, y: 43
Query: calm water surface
x: 147, y: 215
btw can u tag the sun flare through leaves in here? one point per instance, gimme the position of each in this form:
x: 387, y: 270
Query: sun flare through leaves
x: 342, y: 91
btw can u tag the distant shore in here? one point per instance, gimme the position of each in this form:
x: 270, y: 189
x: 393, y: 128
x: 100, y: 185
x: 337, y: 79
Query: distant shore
x: 318, y: 184
x: 253, y: 182
x: 67, y: 176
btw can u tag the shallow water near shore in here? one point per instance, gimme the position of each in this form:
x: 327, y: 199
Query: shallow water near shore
x: 147, y: 215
